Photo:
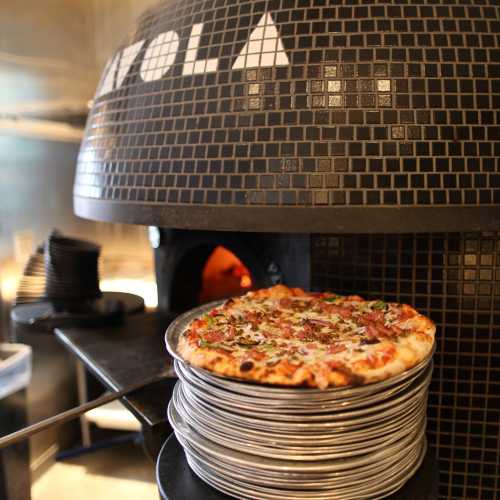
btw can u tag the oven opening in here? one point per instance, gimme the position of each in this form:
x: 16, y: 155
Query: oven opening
x: 207, y: 273
x: 223, y: 276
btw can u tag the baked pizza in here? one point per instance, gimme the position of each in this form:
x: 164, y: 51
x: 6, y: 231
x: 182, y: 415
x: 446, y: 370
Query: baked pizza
x: 287, y: 336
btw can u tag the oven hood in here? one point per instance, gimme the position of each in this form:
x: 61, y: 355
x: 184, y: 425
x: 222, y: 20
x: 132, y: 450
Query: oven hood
x: 299, y: 116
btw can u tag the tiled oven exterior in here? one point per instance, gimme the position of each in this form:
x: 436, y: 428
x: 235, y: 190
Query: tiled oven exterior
x: 216, y: 112
x: 370, y: 125
x: 455, y: 279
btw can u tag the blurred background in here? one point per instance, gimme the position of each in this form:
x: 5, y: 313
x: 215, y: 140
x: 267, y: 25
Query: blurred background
x: 51, y: 57
x: 52, y: 53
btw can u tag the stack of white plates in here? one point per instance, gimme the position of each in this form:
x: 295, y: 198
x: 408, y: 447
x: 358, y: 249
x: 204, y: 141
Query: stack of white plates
x: 263, y: 442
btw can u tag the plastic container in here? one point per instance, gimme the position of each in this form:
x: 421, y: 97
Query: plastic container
x: 15, y: 368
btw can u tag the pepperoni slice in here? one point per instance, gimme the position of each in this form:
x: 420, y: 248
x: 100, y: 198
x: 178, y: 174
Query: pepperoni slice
x: 303, y: 335
x: 374, y: 316
x: 383, y: 330
x: 213, y: 337
x: 198, y: 323
x: 406, y: 313
x: 378, y: 329
x: 371, y: 331
x: 257, y: 355
x: 285, y: 303
x: 231, y: 333
x: 343, y: 312
x: 335, y: 348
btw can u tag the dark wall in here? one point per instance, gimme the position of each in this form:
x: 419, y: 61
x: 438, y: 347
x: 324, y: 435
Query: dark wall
x: 455, y: 280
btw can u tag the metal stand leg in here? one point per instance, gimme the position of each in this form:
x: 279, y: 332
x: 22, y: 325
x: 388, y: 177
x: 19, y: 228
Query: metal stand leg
x: 81, y: 381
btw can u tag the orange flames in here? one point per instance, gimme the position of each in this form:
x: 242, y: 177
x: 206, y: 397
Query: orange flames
x: 224, y: 275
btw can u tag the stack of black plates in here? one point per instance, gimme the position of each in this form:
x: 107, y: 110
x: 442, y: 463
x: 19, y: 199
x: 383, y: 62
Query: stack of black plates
x: 71, y: 268
x: 263, y: 442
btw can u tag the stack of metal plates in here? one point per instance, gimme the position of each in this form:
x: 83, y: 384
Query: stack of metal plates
x: 263, y: 442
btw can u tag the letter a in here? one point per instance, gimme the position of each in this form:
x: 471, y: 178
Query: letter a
x: 264, y: 48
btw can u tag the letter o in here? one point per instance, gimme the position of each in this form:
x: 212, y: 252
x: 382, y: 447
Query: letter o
x: 160, y: 55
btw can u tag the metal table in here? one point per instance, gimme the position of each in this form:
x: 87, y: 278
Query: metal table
x: 126, y: 354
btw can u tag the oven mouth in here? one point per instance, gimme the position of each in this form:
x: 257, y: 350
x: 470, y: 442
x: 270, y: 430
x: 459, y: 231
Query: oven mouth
x: 210, y: 272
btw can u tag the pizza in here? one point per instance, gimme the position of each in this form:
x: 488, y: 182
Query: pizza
x: 287, y: 336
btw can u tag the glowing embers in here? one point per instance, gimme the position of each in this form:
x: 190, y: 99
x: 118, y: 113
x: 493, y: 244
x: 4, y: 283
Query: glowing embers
x: 224, y: 275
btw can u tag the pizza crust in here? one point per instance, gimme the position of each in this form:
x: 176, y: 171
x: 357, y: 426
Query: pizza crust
x: 279, y: 374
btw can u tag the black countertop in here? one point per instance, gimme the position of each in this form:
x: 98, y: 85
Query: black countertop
x: 126, y: 354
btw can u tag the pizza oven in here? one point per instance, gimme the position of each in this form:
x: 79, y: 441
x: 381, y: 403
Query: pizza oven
x: 349, y: 146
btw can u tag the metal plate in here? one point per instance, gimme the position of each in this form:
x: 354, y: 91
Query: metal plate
x: 239, y: 489
x: 324, y: 412
x: 298, y: 442
x: 370, y: 486
x: 365, y: 474
x: 310, y: 453
x: 284, y: 447
x: 286, y: 425
x: 340, y: 477
x: 274, y: 405
x: 185, y: 433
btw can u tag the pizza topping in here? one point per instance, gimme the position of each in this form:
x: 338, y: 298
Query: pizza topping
x: 285, y: 303
x: 318, y: 322
x: 272, y: 362
x: 246, y: 366
x: 231, y: 333
x: 256, y: 354
x: 379, y: 305
x: 213, y: 336
x: 406, y: 313
x: 343, y: 312
x: 373, y: 316
x: 335, y: 348
x: 282, y: 330
x: 383, y: 330
x: 370, y: 341
x: 247, y: 342
x: 333, y: 299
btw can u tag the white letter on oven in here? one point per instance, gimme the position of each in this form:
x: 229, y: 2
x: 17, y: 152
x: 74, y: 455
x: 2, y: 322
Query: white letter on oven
x: 191, y: 65
x: 127, y: 59
x: 159, y: 57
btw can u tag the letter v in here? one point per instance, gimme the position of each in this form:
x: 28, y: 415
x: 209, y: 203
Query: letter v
x: 127, y: 59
